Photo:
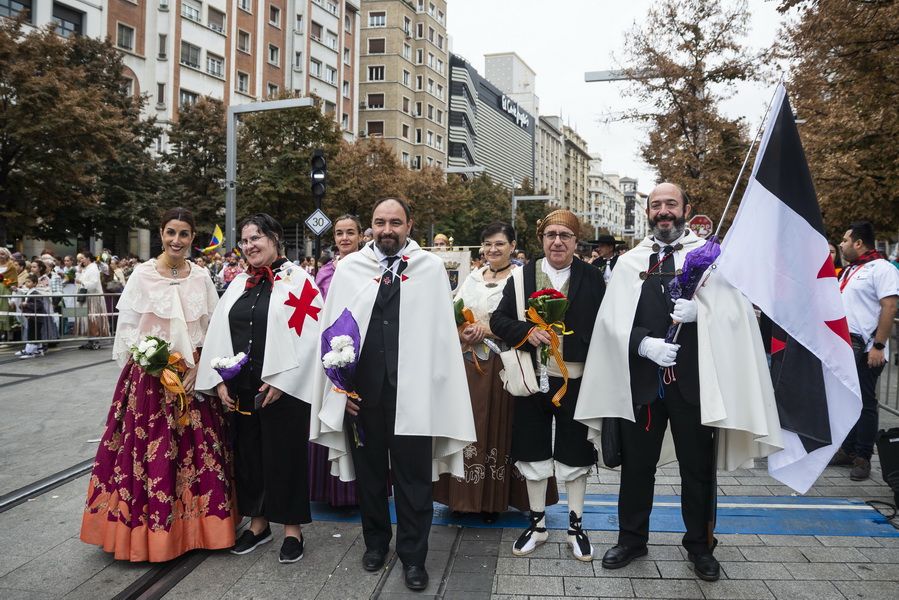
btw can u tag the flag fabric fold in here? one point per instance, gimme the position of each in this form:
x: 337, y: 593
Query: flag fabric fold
x: 776, y: 254
x: 216, y: 241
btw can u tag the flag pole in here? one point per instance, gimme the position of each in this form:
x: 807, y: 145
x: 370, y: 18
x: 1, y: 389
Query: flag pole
x: 758, y: 132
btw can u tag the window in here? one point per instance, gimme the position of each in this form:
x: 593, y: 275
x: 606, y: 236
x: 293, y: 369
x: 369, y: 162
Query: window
x: 407, y: 78
x: 124, y: 37
x: 186, y: 98
x: 331, y: 75
x: 128, y: 87
x: 243, y: 82
x: 13, y: 8
x: 163, y: 5
x: 419, y: 56
x: 440, y: 16
x: 376, y: 73
x: 215, y: 65
x: 377, y: 46
x: 431, y: 33
x: 347, y: 23
x: 418, y: 112
x: 440, y: 117
x: 244, y: 5
x: 377, y: 19
x: 316, y: 31
x: 405, y: 132
x: 376, y: 101
x: 430, y: 138
x: 332, y: 8
x: 440, y: 142
x: 191, y: 10
x: 298, y: 60
x: 430, y: 85
x: 406, y: 103
x: 163, y: 46
x: 418, y: 136
x: 421, y: 6
x: 331, y: 40
x: 418, y: 85
x: 345, y: 121
x: 243, y: 40
x: 346, y: 89
x: 299, y: 24
x: 440, y: 91
x: 407, y: 51
x: 274, y: 16
x: 215, y: 20
x: 160, y: 93
x: 431, y: 111
x: 431, y: 62
x: 440, y: 42
x: 407, y: 26
x: 330, y: 108
x: 68, y: 22
x: 439, y: 65
x: 346, y: 56
x: 315, y: 67
x: 375, y: 128
x: 272, y: 90
x: 405, y: 159
x: 190, y: 55
x: 419, y: 30
x: 274, y: 55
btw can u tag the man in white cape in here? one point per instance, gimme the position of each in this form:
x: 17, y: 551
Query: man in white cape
x: 715, y: 376
x: 414, y: 403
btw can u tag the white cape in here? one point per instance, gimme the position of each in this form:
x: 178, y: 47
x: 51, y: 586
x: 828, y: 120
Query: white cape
x: 735, y: 390
x: 432, y: 389
x: 290, y: 360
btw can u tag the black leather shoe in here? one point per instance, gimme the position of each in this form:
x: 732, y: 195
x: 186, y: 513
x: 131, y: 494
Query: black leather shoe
x: 621, y: 556
x: 416, y: 577
x: 373, y: 560
x: 705, y: 566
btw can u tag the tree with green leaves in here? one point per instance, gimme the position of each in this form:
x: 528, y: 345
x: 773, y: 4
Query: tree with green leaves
x: 274, y: 160
x: 684, y: 59
x: 360, y: 174
x: 70, y: 138
x: 196, y: 162
x: 844, y: 85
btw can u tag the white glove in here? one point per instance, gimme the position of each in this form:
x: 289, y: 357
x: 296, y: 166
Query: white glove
x: 658, y: 351
x: 684, y: 311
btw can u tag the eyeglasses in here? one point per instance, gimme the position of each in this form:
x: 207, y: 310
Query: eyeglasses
x: 561, y: 235
x: 242, y: 244
x: 497, y: 245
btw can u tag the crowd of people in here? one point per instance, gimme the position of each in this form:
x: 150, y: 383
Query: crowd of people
x: 477, y: 401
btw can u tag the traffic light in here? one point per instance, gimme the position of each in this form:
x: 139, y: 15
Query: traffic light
x: 319, y: 173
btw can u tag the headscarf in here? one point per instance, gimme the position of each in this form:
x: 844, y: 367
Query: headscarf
x: 560, y: 217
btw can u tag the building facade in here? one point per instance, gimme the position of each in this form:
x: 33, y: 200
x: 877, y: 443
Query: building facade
x: 606, y: 205
x: 577, y: 166
x: 404, y: 78
x: 509, y: 72
x: 549, y: 158
x: 635, y: 223
x: 487, y: 128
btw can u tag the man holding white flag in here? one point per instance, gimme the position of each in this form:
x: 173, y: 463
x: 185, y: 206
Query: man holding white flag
x: 776, y: 253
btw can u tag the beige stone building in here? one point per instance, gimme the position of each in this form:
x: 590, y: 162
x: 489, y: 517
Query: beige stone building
x: 577, y: 168
x: 549, y: 158
x: 403, y: 78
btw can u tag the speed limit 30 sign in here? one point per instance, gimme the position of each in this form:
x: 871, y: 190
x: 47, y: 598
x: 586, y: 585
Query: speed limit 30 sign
x: 318, y: 222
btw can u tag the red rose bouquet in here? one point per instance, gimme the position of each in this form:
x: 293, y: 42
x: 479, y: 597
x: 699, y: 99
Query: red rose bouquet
x: 546, y: 309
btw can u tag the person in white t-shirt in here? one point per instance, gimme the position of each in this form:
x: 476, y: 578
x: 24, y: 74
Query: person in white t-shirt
x: 870, y: 288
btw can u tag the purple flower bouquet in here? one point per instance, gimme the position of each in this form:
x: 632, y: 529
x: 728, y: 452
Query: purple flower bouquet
x: 228, y: 367
x: 341, y: 345
x: 684, y: 285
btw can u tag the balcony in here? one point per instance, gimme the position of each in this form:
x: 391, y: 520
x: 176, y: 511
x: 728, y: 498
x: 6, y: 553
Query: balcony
x: 189, y: 12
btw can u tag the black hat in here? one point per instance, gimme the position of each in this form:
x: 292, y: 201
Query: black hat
x: 605, y: 239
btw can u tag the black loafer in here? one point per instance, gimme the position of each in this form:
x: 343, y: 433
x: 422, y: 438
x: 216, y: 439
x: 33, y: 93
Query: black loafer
x: 249, y: 541
x: 373, y: 560
x: 705, y: 566
x: 621, y: 556
x: 416, y: 577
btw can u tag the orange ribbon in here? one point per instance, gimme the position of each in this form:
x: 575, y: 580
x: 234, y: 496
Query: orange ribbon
x: 554, y: 342
x: 356, y: 438
x: 470, y: 320
x: 170, y: 377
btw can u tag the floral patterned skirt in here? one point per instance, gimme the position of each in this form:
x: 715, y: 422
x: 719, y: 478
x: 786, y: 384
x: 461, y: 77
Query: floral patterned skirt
x: 158, y: 489
x: 492, y: 483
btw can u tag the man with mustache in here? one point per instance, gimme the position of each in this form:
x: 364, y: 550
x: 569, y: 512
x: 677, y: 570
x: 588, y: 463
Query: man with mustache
x: 413, y: 408
x: 647, y: 382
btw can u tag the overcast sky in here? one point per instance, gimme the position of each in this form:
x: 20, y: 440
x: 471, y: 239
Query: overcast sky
x: 562, y: 39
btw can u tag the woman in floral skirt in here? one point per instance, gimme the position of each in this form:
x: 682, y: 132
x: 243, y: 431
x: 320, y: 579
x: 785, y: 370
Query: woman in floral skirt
x: 161, y: 482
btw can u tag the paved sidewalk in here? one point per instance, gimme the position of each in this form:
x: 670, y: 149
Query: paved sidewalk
x: 49, y: 420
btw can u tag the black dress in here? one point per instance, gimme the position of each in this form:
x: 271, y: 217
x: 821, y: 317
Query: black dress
x: 270, y: 444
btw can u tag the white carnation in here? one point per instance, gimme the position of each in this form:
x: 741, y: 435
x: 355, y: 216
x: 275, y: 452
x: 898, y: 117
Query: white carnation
x: 347, y: 354
x: 142, y: 346
x: 338, y: 342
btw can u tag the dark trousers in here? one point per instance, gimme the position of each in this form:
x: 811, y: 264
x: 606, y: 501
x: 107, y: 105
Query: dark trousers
x: 532, y: 426
x: 410, y: 462
x: 640, y: 450
x: 271, y: 469
x: 860, y: 440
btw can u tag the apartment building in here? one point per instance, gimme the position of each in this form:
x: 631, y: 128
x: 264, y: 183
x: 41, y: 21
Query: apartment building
x: 549, y: 158
x: 404, y: 78
x: 577, y: 165
x: 636, y: 226
x: 70, y: 17
x: 606, y: 204
x: 509, y: 72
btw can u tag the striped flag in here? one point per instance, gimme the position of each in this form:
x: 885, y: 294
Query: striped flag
x: 776, y: 254
x: 216, y: 241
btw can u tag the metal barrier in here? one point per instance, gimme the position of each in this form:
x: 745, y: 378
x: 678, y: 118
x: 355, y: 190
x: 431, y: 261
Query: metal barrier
x: 888, y: 393
x: 83, y: 319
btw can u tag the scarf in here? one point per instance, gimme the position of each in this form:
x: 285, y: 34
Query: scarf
x: 853, y: 267
x: 258, y: 274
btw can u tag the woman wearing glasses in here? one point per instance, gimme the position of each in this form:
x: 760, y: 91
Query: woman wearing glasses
x: 270, y: 313
x: 491, y: 483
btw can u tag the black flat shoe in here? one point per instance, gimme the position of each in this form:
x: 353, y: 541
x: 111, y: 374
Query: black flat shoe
x: 705, y: 566
x: 291, y: 550
x: 249, y: 541
x: 620, y: 556
x: 373, y: 560
x: 416, y: 577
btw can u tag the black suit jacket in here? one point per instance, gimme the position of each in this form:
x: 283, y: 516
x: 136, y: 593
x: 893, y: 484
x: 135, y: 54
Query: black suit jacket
x: 379, y: 357
x: 652, y: 318
x: 585, y: 291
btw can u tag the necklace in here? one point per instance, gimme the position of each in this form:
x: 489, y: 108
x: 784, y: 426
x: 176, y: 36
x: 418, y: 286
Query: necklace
x: 495, y: 271
x: 175, y: 269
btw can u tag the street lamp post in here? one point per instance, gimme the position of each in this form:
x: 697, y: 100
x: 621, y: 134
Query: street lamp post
x: 231, y: 156
x: 517, y: 199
